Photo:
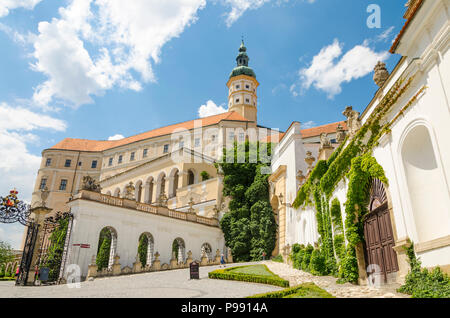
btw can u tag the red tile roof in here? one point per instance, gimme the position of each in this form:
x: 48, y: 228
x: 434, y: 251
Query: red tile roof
x: 415, y: 9
x: 101, y: 145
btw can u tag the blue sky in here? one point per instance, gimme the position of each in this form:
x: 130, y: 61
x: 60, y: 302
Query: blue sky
x: 95, y: 68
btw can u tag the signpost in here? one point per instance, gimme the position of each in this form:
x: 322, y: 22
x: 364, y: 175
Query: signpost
x: 194, y: 270
x: 43, y: 274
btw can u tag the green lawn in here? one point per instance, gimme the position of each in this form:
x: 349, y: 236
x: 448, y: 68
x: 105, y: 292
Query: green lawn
x: 308, y: 290
x: 260, y: 270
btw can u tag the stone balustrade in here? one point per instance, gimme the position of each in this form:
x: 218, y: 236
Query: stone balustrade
x: 144, y: 207
x: 117, y: 270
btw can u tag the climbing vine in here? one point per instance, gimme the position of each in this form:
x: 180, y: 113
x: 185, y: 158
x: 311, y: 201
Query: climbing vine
x: 352, y: 160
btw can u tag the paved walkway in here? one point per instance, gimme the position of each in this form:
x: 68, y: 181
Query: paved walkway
x: 328, y: 283
x: 167, y: 284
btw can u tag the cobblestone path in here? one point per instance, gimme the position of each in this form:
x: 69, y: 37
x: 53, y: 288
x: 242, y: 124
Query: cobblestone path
x: 328, y: 283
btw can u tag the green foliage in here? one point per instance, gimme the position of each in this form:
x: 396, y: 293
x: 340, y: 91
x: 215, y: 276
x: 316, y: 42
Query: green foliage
x: 317, y: 263
x: 102, y: 260
x: 249, y: 227
x: 56, y: 249
x: 339, y: 246
x: 307, y: 290
x: 278, y: 259
x: 348, y: 271
x: 142, y: 249
x: 336, y: 215
x: 205, y: 175
x: 9, y: 273
x: 307, y: 257
x: 235, y: 273
x: 421, y: 283
x: 6, y: 253
x: 2, y: 271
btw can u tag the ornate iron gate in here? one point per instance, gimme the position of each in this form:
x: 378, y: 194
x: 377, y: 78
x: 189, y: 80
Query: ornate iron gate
x: 27, y: 254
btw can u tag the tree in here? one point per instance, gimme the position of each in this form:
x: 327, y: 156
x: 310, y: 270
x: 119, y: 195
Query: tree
x: 102, y: 260
x: 249, y: 227
x: 6, y: 253
x: 142, y: 249
x: 56, y: 249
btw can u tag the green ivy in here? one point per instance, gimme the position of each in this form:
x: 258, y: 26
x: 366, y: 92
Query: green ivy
x: 55, y: 251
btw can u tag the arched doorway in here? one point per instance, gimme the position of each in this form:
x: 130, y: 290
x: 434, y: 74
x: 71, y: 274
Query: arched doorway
x: 379, y: 236
x: 179, y: 248
x: 207, y: 250
x: 145, y: 249
x: 107, y: 247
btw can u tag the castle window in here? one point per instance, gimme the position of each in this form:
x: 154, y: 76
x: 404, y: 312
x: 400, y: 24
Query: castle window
x: 247, y: 86
x: 132, y: 157
x: 181, y: 144
x: 213, y: 138
x: 247, y: 101
x: 63, y: 185
x: 79, y: 163
x: 110, y: 162
x: 197, y: 142
x: 237, y: 100
x: 238, y: 86
x: 120, y: 159
x: 43, y: 183
x: 48, y: 162
x: 145, y: 153
x: 241, y: 136
x: 166, y: 148
x: 94, y: 164
x: 68, y: 163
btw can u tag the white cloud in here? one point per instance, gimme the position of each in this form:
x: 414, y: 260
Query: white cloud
x: 116, y: 137
x: 7, y: 5
x: 210, y: 109
x: 18, y: 166
x: 329, y: 69
x: 385, y: 35
x: 239, y: 7
x: 309, y: 124
x: 124, y: 40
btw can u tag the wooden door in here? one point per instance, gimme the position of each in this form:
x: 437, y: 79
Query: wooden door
x: 380, y: 240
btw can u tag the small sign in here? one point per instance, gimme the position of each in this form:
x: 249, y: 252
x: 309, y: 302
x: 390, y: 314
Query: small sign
x: 43, y: 274
x: 85, y: 246
x: 194, y: 270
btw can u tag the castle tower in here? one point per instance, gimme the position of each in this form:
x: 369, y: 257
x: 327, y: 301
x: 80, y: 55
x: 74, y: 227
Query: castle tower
x: 242, y: 87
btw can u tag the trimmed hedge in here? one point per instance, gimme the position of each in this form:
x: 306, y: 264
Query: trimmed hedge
x: 226, y: 275
x: 3, y: 279
x: 306, y: 290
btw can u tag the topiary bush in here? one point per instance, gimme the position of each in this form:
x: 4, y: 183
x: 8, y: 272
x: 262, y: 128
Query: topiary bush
x: 307, y: 257
x: 317, y: 263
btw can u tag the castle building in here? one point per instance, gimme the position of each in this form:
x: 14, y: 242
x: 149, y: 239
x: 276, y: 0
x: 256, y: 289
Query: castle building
x: 405, y: 128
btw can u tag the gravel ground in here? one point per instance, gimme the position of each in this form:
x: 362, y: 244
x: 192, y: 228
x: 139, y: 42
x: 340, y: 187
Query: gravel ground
x: 328, y: 283
x: 168, y: 284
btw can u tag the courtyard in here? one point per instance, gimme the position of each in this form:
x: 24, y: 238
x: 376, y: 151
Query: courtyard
x: 176, y: 284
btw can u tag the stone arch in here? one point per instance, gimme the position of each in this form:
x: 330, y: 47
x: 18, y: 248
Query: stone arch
x: 108, y: 193
x: 117, y: 192
x: 173, y: 182
x: 161, y: 184
x: 207, y: 250
x: 426, y: 185
x: 179, y: 248
x: 149, y: 185
x: 149, y: 248
x: 110, y: 233
x: 138, y: 191
x: 191, y: 178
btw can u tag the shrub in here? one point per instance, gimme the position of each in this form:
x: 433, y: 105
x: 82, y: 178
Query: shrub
x: 205, y: 175
x: 270, y: 280
x: 307, y: 290
x: 317, y: 263
x: 421, y: 283
x: 307, y: 257
x: 298, y: 259
x: 2, y: 271
x: 278, y: 258
x: 348, y: 271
